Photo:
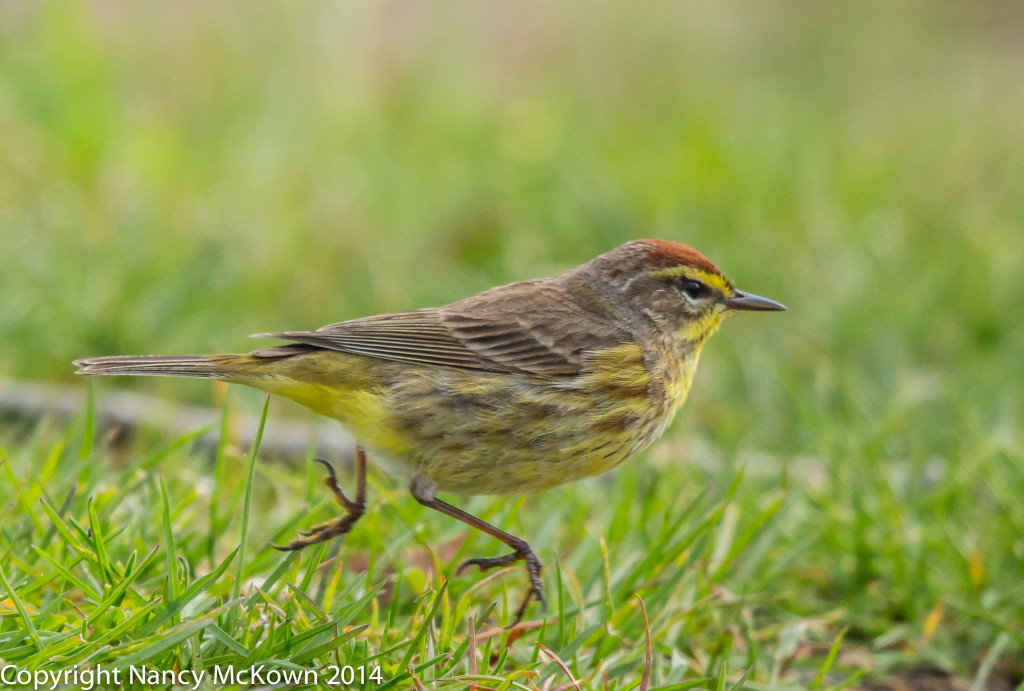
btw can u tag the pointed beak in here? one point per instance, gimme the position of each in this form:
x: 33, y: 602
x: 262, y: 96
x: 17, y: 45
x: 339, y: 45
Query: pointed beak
x: 753, y: 303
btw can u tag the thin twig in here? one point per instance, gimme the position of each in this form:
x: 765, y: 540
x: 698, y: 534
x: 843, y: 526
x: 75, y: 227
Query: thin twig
x: 645, y: 680
x: 123, y: 410
x: 415, y: 682
x: 518, y: 628
x: 474, y: 668
x: 558, y: 661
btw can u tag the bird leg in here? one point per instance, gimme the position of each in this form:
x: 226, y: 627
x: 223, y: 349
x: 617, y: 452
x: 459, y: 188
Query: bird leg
x: 521, y: 551
x: 354, y: 508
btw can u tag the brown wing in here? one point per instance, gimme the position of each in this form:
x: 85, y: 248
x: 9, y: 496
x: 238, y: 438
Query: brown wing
x: 534, y: 327
x: 407, y: 336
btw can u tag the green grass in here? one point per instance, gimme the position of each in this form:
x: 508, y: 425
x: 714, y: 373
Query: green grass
x: 95, y: 580
x: 840, y: 496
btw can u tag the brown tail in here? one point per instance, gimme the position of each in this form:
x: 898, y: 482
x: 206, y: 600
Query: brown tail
x: 203, y: 366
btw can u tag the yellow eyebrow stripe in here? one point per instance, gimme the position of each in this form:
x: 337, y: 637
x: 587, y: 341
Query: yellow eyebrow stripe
x: 676, y: 272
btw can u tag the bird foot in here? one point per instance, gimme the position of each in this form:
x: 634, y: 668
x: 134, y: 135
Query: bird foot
x: 533, y: 568
x: 328, y: 530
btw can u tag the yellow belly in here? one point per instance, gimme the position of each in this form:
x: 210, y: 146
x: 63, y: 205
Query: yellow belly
x: 471, y: 432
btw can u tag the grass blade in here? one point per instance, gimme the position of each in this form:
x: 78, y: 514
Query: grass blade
x: 30, y: 629
x: 236, y: 589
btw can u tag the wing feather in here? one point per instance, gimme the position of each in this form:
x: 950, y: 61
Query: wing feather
x: 534, y: 327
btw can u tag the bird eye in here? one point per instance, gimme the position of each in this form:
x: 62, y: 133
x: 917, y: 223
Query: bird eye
x: 694, y: 290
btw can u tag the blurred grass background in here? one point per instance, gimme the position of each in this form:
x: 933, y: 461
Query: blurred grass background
x: 174, y: 176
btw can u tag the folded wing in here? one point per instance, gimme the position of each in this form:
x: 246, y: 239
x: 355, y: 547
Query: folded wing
x: 534, y: 327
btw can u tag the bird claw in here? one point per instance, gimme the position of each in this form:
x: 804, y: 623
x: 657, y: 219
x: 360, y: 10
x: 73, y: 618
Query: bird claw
x: 339, y: 526
x: 488, y: 563
x: 533, y: 569
x: 322, y: 532
x: 331, y: 481
x: 328, y: 467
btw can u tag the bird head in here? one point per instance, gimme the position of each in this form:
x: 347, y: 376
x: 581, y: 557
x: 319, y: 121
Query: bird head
x: 674, y: 286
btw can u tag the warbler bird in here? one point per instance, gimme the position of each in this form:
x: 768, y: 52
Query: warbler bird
x: 515, y: 390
